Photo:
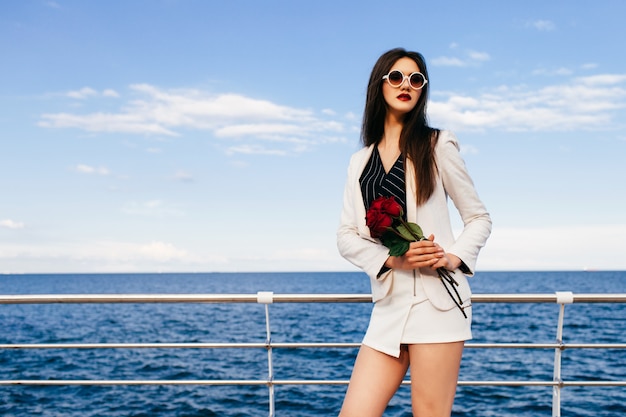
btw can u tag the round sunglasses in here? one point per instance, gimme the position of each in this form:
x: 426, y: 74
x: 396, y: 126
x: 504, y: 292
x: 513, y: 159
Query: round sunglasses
x: 396, y: 78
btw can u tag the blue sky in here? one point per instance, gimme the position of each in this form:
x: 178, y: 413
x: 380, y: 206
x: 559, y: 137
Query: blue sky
x: 141, y: 136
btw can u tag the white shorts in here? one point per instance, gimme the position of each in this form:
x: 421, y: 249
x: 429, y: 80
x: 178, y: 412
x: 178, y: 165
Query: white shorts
x: 406, y: 316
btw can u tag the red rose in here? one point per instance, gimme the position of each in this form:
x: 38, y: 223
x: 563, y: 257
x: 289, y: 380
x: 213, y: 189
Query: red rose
x: 378, y: 204
x: 377, y: 221
x: 380, y: 215
x: 391, y: 206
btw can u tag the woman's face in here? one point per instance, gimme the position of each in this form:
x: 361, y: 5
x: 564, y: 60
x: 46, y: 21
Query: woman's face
x: 401, y: 100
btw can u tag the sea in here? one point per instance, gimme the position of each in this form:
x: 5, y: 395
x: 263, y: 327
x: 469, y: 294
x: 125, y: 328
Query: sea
x: 291, y: 322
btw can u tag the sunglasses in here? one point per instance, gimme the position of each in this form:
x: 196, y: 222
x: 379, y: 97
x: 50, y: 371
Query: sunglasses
x: 396, y: 78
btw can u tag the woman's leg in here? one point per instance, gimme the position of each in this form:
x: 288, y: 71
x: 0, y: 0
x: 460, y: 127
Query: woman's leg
x: 375, y: 379
x: 434, y: 376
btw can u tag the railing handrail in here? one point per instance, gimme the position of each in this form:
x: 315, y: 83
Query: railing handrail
x: 276, y: 382
x: 288, y: 345
x: 281, y: 298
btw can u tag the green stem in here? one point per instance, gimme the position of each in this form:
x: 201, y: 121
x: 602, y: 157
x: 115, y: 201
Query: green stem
x: 407, y: 227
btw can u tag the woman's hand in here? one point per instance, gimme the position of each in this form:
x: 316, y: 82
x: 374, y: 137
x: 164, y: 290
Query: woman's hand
x: 422, y: 254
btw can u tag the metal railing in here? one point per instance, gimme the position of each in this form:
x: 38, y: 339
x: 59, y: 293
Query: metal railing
x: 267, y: 298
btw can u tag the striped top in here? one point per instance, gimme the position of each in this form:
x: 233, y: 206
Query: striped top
x: 375, y: 182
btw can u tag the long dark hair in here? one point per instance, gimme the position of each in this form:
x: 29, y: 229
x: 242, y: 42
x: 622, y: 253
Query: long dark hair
x: 417, y: 140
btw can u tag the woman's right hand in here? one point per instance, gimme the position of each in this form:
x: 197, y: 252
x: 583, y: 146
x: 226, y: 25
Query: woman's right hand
x: 424, y: 253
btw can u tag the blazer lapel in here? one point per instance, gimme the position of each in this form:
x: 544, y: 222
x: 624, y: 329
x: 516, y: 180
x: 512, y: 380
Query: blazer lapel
x: 358, y: 195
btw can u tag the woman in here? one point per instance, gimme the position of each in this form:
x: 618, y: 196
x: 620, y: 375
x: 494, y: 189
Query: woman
x: 416, y: 321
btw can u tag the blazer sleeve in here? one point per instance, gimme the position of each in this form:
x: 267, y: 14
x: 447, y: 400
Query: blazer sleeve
x: 460, y: 188
x: 353, y: 239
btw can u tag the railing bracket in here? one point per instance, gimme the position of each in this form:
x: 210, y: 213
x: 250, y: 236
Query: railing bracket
x: 265, y: 297
x: 564, y: 297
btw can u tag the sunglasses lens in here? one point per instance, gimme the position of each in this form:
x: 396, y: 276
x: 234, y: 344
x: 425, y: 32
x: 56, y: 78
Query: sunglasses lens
x: 417, y: 80
x: 395, y: 78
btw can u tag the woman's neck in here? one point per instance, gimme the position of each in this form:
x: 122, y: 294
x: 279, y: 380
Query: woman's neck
x: 393, y: 130
x: 389, y: 145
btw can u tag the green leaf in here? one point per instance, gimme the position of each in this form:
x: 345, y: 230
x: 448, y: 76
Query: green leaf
x: 417, y: 231
x: 397, y: 245
x: 406, y: 233
x: 398, y: 248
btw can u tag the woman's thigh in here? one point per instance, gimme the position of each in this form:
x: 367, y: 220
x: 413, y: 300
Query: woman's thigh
x: 434, y: 376
x: 375, y: 379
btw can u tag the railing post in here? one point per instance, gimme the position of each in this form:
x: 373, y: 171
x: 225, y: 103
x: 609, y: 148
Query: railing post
x: 562, y: 298
x: 267, y: 298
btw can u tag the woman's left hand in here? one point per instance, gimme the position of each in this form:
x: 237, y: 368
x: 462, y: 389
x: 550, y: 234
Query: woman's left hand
x: 448, y: 261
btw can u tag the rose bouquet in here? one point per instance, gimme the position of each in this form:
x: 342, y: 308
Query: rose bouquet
x: 385, y: 221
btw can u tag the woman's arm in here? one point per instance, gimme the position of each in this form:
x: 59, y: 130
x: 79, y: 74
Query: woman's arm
x: 460, y: 187
x: 353, y: 240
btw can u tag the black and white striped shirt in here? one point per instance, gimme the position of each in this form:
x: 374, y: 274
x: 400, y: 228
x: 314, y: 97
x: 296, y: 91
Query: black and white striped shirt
x: 375, y: 182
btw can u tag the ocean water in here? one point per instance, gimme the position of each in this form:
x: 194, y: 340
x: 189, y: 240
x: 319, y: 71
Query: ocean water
x: 298, y: 322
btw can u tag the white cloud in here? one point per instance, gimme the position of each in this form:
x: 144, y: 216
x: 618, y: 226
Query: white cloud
x: 471, y: 58
x: 560, y: 72
x: 156, y: 111
x: 351, y: 116
x: 87, y: 92
x: 83, y: 93
x: 582, y: 103
x: 478, y: 56
x: 160, y: 251
x: 303, y: 255
x: 589, y: 66
x: 602, y: 79
x: 446, y: 61
x: 195, y: 109
x: 110, y: 93
x: 105, y: 122
x: 11, y: 224
x: 156, y: 251
x: 542, y: 25
x: 254, y: 150
x: 158, y: 255
x: 555, y: 248
x: 264, y: 130
x: 101, y: 256
x: 87, y: 169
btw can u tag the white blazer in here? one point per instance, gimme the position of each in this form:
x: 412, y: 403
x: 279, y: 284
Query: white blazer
x: 357, y: 246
